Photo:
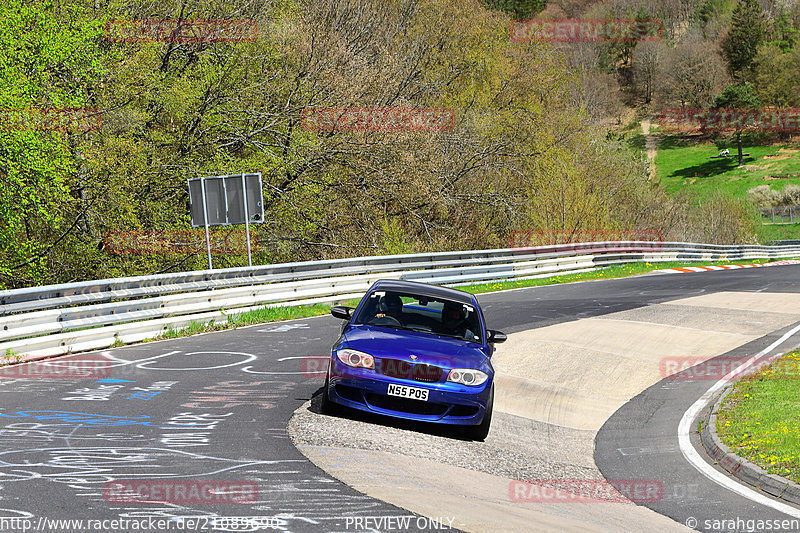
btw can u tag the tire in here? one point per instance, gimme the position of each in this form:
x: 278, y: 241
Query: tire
x: 326, y: 406
x: 481, y: 431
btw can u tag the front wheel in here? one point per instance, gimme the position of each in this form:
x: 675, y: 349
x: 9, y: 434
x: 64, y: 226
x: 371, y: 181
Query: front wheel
x: 481, y: 431
x: 326, y: 406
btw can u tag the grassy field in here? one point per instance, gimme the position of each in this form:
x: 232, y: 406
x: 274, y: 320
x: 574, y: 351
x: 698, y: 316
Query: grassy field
x: 682, y: 165
x: 779, y: 232
x: 758, y: 419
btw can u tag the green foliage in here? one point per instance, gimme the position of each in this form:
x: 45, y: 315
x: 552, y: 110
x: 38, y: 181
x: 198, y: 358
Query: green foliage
x: 394, y: 241
x: 719, y: 185
x: 193, y: 328
x: 709, y: 10
x: 737, y: 96
x: 778, y: 232
x: 518, y: 9
x: 278, y: 313
x: 775, y: 76
x: 748, y: 30
x: 783, y: 34
x: 48, y: 59
x: 617, y: 54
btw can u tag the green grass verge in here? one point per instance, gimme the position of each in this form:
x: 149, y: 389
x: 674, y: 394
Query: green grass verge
x: 276, y: 314
x: 779, y: 232
x: 758, y: 419
x: 618, y: 271
x: 248, y: 318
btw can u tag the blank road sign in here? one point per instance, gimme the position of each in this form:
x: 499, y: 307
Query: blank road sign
x: 225, y: 200
x: 233, y: 186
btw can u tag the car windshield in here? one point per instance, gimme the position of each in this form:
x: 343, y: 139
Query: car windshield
x: 437, y: 316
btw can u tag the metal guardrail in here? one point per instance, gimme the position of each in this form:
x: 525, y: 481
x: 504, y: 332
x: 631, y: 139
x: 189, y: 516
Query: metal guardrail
x: 59, y: 319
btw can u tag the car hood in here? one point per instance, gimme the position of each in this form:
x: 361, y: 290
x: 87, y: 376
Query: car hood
x: 402, y: 344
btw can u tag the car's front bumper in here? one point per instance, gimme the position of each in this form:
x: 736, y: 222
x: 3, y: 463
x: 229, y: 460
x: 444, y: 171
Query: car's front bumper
x: 448, y: 403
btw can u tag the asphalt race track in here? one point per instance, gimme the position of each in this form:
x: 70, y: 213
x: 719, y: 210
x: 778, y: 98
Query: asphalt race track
x: 214, y: 408
x: 640, y: 441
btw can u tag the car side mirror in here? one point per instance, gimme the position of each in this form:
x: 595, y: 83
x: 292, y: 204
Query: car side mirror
x: 496, y: 337
x: 340, y: 311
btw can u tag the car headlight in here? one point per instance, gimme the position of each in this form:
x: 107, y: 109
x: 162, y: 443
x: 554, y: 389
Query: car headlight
x: 467, y: 376
x: 355, y: 358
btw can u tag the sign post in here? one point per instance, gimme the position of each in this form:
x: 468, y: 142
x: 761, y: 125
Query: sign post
x: 205, y: 220
x: 246, y: 224
x: 226, y: 201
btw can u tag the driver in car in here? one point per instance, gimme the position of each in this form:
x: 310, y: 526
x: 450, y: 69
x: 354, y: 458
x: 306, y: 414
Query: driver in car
x: 392, y: 306
x: 454, y: 321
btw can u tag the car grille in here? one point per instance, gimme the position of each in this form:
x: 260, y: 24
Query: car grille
x: 397, y: 368
x: 404, y: 405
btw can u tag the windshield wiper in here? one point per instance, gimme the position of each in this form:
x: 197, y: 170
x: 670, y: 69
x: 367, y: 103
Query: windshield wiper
x: 459, y: 337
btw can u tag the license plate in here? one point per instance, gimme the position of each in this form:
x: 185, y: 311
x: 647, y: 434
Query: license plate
x: 402, y: 391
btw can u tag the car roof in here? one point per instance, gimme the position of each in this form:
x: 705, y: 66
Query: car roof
x: 424, y: 289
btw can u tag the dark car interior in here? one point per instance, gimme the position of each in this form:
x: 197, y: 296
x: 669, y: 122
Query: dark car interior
x: 421, y: 313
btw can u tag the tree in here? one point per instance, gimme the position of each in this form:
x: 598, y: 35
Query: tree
x: 721, y: 218
x: 597, y: 92
x: 775, y: 76
x: 748, y: 30
x: 690, y: 75
x: 713, y: 18
x: 783, y: 32
x: 49, y: 59
x: 619, y: 53
x: 646, y: 58
x: 737, y: 96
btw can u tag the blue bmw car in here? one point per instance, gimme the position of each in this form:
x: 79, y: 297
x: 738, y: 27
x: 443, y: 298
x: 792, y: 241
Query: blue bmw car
x: 415, y: 351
